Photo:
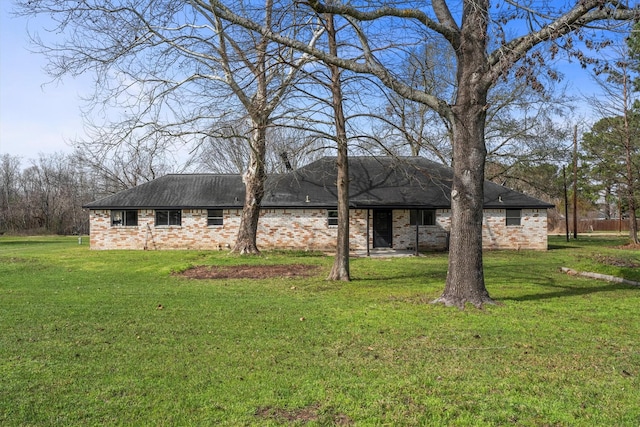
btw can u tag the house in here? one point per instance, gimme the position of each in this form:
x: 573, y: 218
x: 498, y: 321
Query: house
x: 394, y: 203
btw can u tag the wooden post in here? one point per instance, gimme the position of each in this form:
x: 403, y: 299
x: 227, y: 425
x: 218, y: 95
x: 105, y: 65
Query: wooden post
x: 368, y: 214
x: 575, y: 182
x: 620, y: 214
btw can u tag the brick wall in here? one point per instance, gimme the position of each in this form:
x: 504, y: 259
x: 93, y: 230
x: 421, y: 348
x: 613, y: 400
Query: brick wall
x: 430, y: 237
x: 307, y: 229
x: 530, y: 234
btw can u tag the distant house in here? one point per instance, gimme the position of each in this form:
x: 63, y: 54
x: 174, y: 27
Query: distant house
x: 394, y: 203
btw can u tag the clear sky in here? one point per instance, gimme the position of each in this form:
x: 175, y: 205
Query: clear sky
x: 37, y: 117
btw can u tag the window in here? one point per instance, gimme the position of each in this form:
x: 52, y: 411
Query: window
x: 168, y: 217
x: 214, y: 217
x: 332, y: 217
x: 513, y: 217
x: 126, y: 218
x: 422, y: 217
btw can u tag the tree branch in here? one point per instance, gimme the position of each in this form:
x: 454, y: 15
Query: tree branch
x: 583, y: 13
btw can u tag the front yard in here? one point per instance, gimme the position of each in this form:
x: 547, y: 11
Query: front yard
x: 123, y: 338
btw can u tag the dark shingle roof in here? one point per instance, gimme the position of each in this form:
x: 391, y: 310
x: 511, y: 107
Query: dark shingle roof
x: 406, y: 182
x: 178, y: 191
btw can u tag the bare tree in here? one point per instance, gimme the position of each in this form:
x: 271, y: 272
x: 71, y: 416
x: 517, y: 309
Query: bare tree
x: 524, y: 124
x: 468, y: 31
x: 260, y: 99
x: 414, y: 128
x: 613, y: 144
x: 123, y: 164
x: 290, y: 148
x: 340, y: 269
x: 173, y: 70
x: 227, y: 151
x: 49, y: 195
x: 9, y: 192
x: 326, y: 92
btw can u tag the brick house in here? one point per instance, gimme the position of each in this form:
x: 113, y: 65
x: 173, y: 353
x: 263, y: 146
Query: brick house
x: 394, y: 203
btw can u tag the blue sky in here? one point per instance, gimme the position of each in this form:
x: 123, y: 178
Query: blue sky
x: 35, y: 117
x: 39, y: 117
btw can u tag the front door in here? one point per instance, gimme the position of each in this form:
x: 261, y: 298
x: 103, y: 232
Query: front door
x: 382, y: 228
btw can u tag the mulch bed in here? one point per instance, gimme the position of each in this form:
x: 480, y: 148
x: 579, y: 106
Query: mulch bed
x: 251, y: 271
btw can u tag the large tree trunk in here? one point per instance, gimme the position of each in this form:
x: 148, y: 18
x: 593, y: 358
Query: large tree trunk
x: 340, y: 269
x: 254, y: 179
x: 465, y: 277
x: 255, y: 176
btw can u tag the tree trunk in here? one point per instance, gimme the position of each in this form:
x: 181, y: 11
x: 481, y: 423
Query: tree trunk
x: 254, y: 179
x: 633, y: 222
x: 340, y: 269
x: 255, y: 176
x: 465, y: 277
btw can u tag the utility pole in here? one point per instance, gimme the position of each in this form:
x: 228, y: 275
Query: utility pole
x: 575, y: 182
x: 566, y: 204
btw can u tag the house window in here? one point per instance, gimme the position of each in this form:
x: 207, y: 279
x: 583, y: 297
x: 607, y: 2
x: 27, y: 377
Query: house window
x: 422, y: 217
x: 168, y: 217
x: 124, y: 218
x: 332, y: 217
x: 513, y: 217
x: 214, y: 217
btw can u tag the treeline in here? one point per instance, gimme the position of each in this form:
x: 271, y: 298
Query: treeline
x: 46, y: 195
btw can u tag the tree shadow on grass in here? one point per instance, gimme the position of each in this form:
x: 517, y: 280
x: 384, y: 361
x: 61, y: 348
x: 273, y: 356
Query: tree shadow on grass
x: 569, y: 291
x: 29, y: 242
x: 406, y: 275
x: 553, y: 247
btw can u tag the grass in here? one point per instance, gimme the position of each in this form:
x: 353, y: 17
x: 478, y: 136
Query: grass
x: 84, y: 343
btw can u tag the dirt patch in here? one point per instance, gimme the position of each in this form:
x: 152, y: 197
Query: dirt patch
x: 251, y: 271
x: 303, y: 415
x: 615, y: 261
x: 289, y: 415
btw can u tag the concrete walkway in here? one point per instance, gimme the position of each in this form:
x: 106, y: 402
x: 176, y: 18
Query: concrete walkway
x: 384, y: 253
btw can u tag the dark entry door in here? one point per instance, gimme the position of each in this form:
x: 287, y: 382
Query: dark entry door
x: 382, y: 228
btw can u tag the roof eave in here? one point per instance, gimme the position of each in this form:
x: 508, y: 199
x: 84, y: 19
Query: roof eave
x: 518, y: 206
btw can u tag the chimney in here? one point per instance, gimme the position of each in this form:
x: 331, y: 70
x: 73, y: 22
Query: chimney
x: 285, y: 159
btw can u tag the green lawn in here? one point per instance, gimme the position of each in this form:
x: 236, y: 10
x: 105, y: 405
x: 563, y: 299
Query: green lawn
x: 82, y: 341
